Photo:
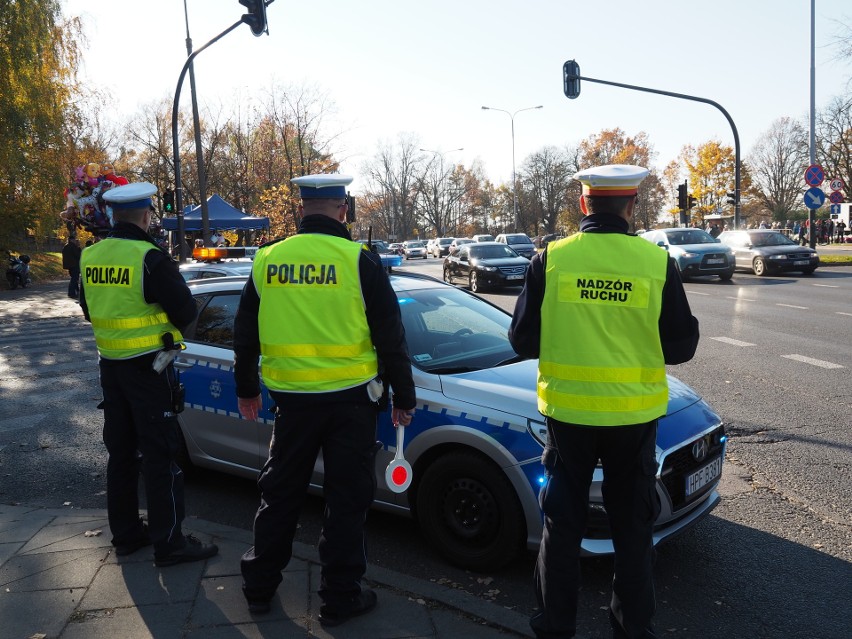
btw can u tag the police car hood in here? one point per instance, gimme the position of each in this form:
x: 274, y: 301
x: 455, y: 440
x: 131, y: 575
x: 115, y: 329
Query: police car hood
x: 511, y: 389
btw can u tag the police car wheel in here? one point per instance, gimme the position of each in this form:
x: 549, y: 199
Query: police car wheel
x: 469, y: 512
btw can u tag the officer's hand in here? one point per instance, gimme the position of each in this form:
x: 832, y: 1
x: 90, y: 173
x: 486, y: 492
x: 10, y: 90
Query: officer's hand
x: 401, y: 417
x: 249, y: 407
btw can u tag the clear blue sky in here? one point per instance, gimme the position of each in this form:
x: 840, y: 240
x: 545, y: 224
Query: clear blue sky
x: 399, y: 66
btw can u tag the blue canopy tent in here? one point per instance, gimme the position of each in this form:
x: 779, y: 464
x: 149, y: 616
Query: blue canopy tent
x: 221, y: 215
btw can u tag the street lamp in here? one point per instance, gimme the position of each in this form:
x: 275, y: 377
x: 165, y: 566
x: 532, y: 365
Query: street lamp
x: 514, y: 185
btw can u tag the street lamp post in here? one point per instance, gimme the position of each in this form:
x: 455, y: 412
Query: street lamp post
x: 514, y: 184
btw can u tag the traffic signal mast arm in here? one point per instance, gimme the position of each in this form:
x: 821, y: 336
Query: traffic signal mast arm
x: 571, y: 81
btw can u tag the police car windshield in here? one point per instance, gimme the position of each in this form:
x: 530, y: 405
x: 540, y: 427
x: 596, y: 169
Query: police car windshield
x: 451, y: 331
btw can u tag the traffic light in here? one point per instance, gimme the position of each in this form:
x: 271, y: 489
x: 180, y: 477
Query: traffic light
x: 732, y: 199
x: 691, y: 202
x: 571, y: 79
x: 256, y: 16
x: 681, y: 196
x: 169, y: 201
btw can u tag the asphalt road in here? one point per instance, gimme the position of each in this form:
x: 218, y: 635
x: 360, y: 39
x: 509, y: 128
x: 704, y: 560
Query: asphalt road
x: 773, y: 560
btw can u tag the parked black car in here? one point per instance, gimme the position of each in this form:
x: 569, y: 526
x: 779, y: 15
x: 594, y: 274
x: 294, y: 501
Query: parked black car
x: 766, y: 251
x: 486, y: 264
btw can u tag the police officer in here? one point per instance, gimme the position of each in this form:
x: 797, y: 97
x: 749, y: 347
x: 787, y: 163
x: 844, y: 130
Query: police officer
x: 604, y: 311
x: 136, y: 300
x: 321, y: 314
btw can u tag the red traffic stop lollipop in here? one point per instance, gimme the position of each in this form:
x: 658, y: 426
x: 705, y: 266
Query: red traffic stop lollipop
x: 398, y: 473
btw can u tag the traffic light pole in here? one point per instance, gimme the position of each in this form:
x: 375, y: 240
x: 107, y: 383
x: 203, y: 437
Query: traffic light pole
x: 176, y: 148
x: 199, y: 151
x: 571, y: 74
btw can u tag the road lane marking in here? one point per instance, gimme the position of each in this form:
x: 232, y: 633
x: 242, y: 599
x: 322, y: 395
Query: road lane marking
x: 739, y: 299
x: 731, y: 341
x: 696, y: 293
x: 842, y: 313
x: 827, y: 285
x: 803, y: 308
x: 812, y: 361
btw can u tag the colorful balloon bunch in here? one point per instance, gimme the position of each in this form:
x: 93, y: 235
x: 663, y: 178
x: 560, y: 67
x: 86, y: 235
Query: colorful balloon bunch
x: 84, y: 204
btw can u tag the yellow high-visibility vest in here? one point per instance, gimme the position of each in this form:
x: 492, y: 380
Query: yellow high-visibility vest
x: 601, y: 362
x: 125, y: 325
x: 314, y: 336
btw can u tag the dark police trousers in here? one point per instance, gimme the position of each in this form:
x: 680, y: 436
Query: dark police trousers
x: 138, y: 421
x: 627, y: 454
x: 346, y: 434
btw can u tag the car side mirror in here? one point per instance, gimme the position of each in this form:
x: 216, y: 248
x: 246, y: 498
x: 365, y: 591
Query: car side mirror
x: 661, y: 244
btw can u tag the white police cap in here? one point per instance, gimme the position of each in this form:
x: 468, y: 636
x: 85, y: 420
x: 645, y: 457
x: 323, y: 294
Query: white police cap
x: 322, y: 186
x: 612, y: 179
x: 130, y: 196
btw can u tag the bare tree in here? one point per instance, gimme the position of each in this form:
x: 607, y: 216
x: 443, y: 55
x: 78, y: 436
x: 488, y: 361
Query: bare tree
x: 302, y: 139
x: 393, y: 177
x: 544, y: 179
x: 777, y: 162
x: 442, y: 188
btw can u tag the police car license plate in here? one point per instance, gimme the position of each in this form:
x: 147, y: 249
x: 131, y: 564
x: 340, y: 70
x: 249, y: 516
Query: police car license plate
x: 801, y: 263
x: 703, y: 476
x: 514, y: 277
x: 716, y: 260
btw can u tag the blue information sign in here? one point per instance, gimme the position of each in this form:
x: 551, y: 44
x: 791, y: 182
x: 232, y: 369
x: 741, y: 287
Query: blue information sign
x: 814, y: 198
x: 835, y: 209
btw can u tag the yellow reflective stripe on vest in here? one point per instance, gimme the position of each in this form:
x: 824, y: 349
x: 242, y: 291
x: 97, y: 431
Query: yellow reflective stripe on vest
x: 603, y: 375
x: 152, y: 341
x: 356, y: 371
x: 596, y: 404
x: 317, y: 350
x: 132, y: 322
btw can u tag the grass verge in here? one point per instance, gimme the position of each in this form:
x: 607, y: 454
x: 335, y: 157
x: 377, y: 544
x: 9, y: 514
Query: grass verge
x: 46, y: 267
x: 834, y: 260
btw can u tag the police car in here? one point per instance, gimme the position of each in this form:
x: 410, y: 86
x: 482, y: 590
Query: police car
x: 476, y: 439
x: 218, y: 261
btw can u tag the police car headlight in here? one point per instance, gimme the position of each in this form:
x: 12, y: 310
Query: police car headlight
x: 688, y: 254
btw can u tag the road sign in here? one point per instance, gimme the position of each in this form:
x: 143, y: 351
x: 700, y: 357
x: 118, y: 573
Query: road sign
x: 836, y: 197
x: 835, y: 209
x: 836, y: 184
x: 814, y: 175
x: 814, y: 198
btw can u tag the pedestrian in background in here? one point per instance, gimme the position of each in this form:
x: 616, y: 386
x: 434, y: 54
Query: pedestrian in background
x: 138, y: 303
x: 321, y: 315
x: 71, y: 263
x: 604, y: 311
